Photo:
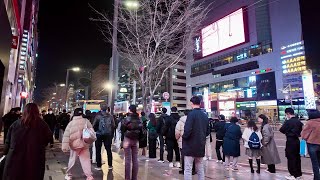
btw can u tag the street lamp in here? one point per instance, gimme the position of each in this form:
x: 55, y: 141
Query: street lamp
x: 75, y: 69
x: 130, y: 4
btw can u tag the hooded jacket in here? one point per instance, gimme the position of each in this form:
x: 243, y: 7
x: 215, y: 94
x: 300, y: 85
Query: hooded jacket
x: 171, y: 123
x: 311, y: 131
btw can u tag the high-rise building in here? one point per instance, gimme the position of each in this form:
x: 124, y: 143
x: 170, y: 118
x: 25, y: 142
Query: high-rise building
x: 245, y: 57
x: 98, y: 82
x: 19, y: 72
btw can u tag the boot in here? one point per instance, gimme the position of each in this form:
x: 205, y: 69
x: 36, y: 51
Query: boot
x: 258, y: 164
x: 251, y: 165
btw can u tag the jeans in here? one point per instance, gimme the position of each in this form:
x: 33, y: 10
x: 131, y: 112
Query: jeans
x: 188, y: 162
x: 161, y: 147
x: 152, y: 148
x: 107, y: 141
x: 84, y: 157
x: 172, y: 145
x: 293, y: 156
x: 219, y: 144
x: 234, y: 162
x: 314, y: 150
x: 131, y: 154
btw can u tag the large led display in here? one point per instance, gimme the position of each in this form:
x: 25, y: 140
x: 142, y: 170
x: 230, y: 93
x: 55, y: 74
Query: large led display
x: 224, y: 33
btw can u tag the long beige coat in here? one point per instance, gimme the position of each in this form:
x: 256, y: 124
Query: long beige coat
x: 270, y: 153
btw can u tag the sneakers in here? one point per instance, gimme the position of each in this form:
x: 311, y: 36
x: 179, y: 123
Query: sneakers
x: 290, y: 177
x: 171, y: 165
x: 299, y: 178
x: 161, y: 161
x: 205, y: 158
x: 267, y: 171
x: 67, y: 177
x: 110, y: 168
x: 177, y: 164
x: 98, y: 168
x: 219, y: 161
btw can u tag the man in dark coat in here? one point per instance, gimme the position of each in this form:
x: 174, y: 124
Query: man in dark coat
x: 9, y: 119
x: 196, y: 130
x: 51, y: 120
x: 160, y: 125
x: 292, y: 129
x: 171, y: 141
x: 220, y: 132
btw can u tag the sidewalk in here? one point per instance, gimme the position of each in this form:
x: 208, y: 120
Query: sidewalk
x: 150, y: 169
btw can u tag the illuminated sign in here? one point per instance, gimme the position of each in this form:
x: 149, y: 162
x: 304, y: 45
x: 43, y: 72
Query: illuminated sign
x: 267, y: 103
x: 242, y: 105
x: 242, y: 56
x: 226, y: 105
x: 197, y: 45
x: 262, y: 71
x: 224, y: 33
x: 227, y: 95
x: 292, y: 45
x: 308, y: 91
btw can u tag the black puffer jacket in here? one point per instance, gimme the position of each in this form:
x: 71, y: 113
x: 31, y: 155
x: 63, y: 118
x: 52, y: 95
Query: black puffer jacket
x: 132, y: 126
x: 171, y: 123
x: 220, y: 130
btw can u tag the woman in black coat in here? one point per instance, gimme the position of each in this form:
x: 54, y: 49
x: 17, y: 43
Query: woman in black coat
x: 25, y: 146
x: 231, y: 143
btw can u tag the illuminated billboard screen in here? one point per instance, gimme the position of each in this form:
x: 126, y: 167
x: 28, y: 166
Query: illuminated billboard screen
x: 224, y: 33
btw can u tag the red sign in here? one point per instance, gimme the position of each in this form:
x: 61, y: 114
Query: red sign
x: 23, y: 95
x: 14, y: 44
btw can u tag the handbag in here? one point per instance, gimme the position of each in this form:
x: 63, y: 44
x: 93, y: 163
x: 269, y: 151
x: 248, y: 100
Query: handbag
x: 88, y: 134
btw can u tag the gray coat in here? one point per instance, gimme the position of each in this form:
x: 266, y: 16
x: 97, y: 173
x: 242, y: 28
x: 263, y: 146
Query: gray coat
x: 270, y: 153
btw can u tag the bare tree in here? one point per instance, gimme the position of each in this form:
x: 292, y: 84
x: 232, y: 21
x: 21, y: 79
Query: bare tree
x: 54, y: 94
x: 154, y: 38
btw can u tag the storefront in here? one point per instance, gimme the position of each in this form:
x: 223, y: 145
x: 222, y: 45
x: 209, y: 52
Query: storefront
x: 297, y: 105
x: 246, y: 110
x: 227, y: 104
x: 268, y: 108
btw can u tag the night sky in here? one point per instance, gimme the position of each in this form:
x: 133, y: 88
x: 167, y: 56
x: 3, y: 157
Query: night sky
x: 68, y: 38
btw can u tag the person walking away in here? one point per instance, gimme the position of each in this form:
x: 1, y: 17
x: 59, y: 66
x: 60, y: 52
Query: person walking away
x: 143, y: 142
x: 292, y: 128
x: 252, y: 142
x: 153, y: 135
x: 196, y: 130
x: 51, y: 120
x: 132, y: 127
x: 231, y: 143
x: 179, y: 133
x: 8, y: 120
x: 171, y: 141
x: 72, y: 141
x: 64, y: 120
x: 25, y: 146
x: 311, y: 134
x: 220, y: 132
x: 161, y: 127
x: 104, y: 128
x: 270, y: 155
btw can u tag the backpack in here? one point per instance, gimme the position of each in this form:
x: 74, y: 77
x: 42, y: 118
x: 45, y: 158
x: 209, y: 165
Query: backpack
x: 164, y: 128
x: 105, y: 125
x: 254, y: 141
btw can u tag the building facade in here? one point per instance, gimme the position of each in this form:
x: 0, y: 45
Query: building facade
x: 245, y: 56
x: 99, y: 79
x: 19, y: 73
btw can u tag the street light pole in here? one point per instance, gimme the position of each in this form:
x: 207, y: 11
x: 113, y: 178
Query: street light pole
x: 67, y: 85
x: 114, y: 61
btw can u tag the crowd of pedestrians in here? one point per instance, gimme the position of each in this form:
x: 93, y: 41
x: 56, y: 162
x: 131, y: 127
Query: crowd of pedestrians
x: 187, y: 140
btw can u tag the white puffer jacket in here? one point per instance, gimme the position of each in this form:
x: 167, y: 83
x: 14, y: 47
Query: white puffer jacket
x: 72, y: 137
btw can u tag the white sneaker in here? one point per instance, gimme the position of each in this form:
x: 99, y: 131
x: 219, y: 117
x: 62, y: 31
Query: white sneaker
x: 171, y: 165
x: 210, y: 158
x: 161, y: 161
x: 299, y: 178
x: 177, y: 164
x: 98, y: 169
x: 67, y: 177
x: 110, y: 168
x: 205, y: 158
x: 219, y: 161
x: 290, y: 177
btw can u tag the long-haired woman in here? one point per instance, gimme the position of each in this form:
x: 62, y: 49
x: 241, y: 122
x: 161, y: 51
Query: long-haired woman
x: 153, y: 135
x: 270, y: 155
x: 252, y: 142
x: 25, y: 146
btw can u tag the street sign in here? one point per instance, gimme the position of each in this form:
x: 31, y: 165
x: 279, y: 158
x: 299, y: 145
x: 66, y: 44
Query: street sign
x: 166, y: 95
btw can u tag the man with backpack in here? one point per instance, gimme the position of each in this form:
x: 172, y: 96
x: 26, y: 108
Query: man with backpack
x: 104, y: 127
x: 161, y: 128
x: 172, y: 143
